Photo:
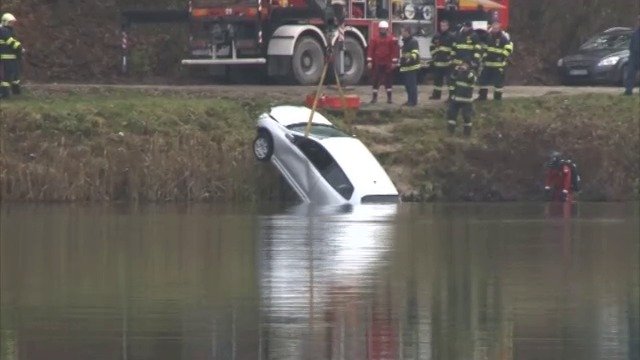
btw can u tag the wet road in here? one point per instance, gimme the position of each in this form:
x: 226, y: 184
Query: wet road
x: 445, y: 281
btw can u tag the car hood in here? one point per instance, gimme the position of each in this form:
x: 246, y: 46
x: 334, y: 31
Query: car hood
x: 595, y: 55
x: 361, y: 167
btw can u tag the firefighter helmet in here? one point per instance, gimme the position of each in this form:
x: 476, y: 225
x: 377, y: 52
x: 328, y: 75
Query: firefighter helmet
x: 7, y: 18
x: 383, y: 25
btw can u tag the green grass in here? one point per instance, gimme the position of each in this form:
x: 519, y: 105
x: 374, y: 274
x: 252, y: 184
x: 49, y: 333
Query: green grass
x: 105, y: 145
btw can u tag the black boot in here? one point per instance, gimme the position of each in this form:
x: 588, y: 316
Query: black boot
x: 389, y: 101
x: 482, y: 94
x: 466, y: 130
x: 451, y: 127
x: 15, y: 89
x: 497, y: 95
x: 436, y: 95
x: 374, y: 97
x: 4, y: 92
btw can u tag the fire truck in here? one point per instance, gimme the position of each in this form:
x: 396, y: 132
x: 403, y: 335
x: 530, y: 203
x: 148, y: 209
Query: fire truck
x: 289, y: 38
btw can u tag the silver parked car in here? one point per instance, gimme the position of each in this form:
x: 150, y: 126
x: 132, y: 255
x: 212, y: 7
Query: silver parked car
x: 327, y: 167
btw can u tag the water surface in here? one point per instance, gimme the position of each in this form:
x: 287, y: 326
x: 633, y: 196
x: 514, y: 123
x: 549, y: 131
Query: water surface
x: 445, y: 281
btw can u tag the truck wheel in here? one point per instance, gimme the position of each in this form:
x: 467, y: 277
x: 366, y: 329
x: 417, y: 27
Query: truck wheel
x: 353, y: 61
x: 307, y: 61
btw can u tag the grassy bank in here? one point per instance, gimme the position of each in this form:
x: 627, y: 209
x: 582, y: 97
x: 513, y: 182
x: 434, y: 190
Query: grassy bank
x: 139, y: 145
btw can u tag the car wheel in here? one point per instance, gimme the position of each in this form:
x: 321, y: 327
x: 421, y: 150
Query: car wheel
x: 263, y: 146
x: 308, y: 61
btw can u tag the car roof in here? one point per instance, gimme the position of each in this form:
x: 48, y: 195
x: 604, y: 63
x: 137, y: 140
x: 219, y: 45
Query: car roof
x: 622, y: 30
x: 289, y: 115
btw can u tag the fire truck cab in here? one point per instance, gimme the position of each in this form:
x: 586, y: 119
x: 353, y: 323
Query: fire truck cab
x: 290, y: 38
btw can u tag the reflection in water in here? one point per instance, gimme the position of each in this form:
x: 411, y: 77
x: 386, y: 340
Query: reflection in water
x: 510, y: 281
x: 318, y: 275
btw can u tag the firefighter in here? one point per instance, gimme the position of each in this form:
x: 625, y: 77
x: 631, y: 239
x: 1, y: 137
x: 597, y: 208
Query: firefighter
x: 382, y: 58
x: 463, y: 79
x: 634, y: 60
x: 10, y: 53
x: 409, y: 66
x: 466, y: 47
x: 562, y: 178
x: 494, y: 62
x: 441, y: 50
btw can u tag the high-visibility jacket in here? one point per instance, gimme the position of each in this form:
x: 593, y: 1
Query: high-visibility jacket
x: 441, y: 49
x: 383, y: 50
x: 497, y: 50
x: 10, y: 47
x: 463, y: 82
x: 467, y: 48
x: 410, y: 59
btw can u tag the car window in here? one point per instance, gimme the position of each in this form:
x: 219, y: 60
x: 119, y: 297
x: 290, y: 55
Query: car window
x: 318, y: 130
x: 607, y: 41
x: 326, y: 165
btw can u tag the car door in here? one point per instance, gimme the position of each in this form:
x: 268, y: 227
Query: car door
x: 329, y: 184
x: 300, y: 172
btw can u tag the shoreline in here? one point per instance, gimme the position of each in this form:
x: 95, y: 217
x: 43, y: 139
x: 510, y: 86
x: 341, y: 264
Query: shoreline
x: 130, y: 145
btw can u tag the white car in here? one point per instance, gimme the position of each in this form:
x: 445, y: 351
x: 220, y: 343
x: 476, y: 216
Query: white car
x: 329, y: 167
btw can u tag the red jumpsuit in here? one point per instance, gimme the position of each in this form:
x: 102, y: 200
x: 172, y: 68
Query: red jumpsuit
x: 383, y: 54
x: 559, y: 183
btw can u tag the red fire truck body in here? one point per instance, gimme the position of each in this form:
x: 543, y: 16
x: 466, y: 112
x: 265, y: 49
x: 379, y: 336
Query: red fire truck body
x: 290, y: 37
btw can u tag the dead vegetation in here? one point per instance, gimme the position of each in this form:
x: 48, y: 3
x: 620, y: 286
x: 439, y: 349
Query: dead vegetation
x: 127, y: 145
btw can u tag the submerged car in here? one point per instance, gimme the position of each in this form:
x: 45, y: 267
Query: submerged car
x: 601, y: 60
x: 328, y: 167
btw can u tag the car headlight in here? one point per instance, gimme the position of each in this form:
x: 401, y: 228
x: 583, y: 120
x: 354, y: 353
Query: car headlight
x: 608, y: 61
x: 560, y: 62
x: 409, y: 11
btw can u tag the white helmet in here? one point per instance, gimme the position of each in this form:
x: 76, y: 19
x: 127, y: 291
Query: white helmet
x: 7, y: 18
x: 383, y: 25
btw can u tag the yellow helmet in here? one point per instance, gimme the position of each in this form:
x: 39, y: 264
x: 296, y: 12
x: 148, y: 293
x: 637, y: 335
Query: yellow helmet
x: 7, y: 18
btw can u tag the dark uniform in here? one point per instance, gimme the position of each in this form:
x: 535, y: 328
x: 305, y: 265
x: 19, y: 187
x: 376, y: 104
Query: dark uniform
x: 494, y: 61
x: 634, y: 60
x: 466, y: 48
x: 463, y: 80
x: 441, y: 51
x: 10, y: 53
x: 409, y: 67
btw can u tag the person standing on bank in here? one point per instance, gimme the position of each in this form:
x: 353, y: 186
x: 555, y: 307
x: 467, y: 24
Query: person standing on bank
x: 463, y: 81
x: 382, y: 58
x: 10, y: 54
x: 441, y: 50
x: 494, y: 62
x: 410, y: 65
x: 634, y: 60
x: 466, y: 48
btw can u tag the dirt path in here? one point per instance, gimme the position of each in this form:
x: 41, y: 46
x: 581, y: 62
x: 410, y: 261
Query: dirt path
x: 297, y: 93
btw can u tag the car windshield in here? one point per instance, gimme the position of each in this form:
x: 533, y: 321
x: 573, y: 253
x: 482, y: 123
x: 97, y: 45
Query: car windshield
x: 319, y: 131
x: 608, y: 41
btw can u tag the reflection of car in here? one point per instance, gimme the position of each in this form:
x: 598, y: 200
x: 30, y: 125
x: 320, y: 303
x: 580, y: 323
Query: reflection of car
x: 602, y: 59
x: 328, y: 167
